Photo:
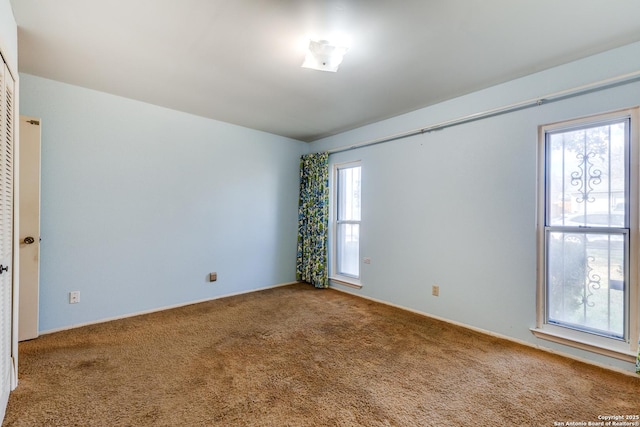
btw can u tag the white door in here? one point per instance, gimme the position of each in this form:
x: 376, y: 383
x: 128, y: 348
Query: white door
x: 7, y: 132
x: 29, y: 227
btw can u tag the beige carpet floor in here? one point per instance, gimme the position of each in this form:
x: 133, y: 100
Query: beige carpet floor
x: 298, y: 356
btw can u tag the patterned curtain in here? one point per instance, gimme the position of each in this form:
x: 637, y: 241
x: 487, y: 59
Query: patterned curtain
x: 638, y: 359
x: 313, y: 220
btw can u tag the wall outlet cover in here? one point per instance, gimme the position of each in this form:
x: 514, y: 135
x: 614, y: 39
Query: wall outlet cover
x: 74, y: 297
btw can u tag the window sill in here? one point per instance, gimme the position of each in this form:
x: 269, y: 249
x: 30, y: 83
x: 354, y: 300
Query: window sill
x: 595, y: 344
x: 352, y: 283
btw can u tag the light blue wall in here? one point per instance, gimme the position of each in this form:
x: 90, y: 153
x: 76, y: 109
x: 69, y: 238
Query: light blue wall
x: 457, y: 207
x: 140, y: 203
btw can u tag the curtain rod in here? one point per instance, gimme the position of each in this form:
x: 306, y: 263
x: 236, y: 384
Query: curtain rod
x: 535, y: 102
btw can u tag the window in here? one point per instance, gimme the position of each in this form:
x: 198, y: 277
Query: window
x: 346, y: 224
x: 588, y: 209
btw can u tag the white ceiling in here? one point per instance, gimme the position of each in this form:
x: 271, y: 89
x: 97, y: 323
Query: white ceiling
x: 239, y: 60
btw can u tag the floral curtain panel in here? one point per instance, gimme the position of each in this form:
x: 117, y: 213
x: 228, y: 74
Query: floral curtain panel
x: 638, y: 359
x: 313, y: 220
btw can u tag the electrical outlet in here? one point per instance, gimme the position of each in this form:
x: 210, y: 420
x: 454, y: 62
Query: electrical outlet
x: 435, y: 290
x: 74, y: 297
x: 213, y: 277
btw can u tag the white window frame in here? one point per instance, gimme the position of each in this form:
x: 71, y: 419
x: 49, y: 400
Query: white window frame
x: 334, y: 275
x: 625, y: 349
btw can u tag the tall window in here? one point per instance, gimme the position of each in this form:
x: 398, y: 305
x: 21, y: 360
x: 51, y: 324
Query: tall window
x: 346, y: 259
x: 588, y: 207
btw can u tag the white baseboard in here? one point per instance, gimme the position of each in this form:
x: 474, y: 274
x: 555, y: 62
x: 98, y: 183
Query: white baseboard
x: 169, y: 307
x: 495, y: 334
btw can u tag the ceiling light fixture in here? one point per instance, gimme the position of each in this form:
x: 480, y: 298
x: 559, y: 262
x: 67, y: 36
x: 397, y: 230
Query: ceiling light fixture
x: 324, y: 56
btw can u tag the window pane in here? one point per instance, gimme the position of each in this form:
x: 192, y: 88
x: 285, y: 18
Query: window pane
x: 349, y: 194
x: 586, y: 172
x: 586, y: 281
x: 348, y: 249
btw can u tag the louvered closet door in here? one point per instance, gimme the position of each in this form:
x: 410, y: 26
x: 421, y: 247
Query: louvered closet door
x: 6, y: 231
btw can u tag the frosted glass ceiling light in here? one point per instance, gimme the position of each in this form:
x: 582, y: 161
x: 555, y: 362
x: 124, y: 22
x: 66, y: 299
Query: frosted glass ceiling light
x: 324, y: 56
